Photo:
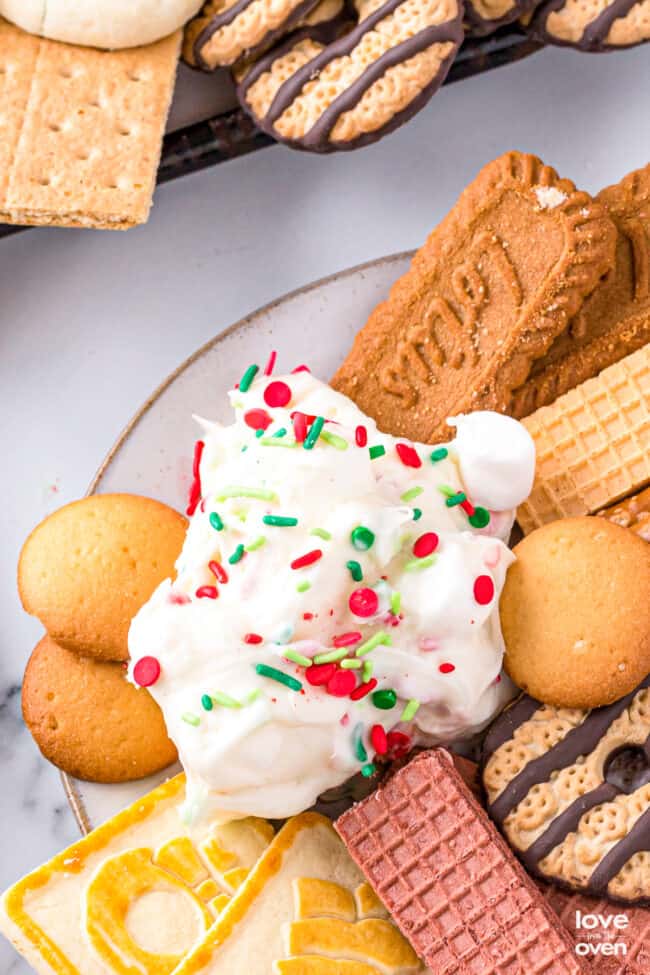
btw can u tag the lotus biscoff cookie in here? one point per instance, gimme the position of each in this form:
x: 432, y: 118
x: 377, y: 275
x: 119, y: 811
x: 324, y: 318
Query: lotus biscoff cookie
x: 615, y: 319
x: 575, y: 613
x: 88, y: 568
x: 570, y: 788
x: 136, y: 894
x: 485, y: 297
x: 304, y: 910
x: 598, y: 25
x: 89, y: 721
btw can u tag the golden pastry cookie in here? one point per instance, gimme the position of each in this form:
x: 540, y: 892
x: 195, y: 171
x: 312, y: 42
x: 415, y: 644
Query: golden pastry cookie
x: 88, y: 568
x: 88, y: 720
x: 575, y: 613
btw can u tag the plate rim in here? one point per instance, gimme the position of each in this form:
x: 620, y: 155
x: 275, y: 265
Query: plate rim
x: 74, y: 799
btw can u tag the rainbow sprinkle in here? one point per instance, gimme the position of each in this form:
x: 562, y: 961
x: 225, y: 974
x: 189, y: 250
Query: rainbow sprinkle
x: 297, y: 658
x: 412, y: 493
x: 225, y: 700
x: 239, y: 491
x: 321, y: 533
x: 355, y: 570
x: 237, y: 555
x: 280, y: 521
x: 410, y: 710
x: 377, y: 451
x: 440, y: 453
x: 414, y: 565
x: 278, y: 675
x: 315, y: 431
x: 247, y: 379
x: 256, y: 543
x: 334, y: 440
x: 192, y: 719
x: 216, y: 522
x: 380, y: 638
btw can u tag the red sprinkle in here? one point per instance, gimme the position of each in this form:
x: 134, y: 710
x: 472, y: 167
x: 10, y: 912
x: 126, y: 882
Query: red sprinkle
x: 277, y: 394
x: 483, y: 590
x: 308, y: 616
x: 257, y: 419
x: 363, y: 689
x: 425, y: 545
x: 408, y: 455
x: 378, y: 739
x: 319, y: 674
x: 361, y: 436
x: 146, y: 672
x: 446, y: 668
x: 195, y: 489
x: 341, y: 683
x: 301, y: 368
x: 178, y: 598
x: 270, y: 365
x: 347, y: 639
x: 364, y: 602
x: 468, y: 507
x: 299, y: 426
x: 399, y: 744
x: 307, y: 559
x: 207, y: 592
x: 253, y: 638
x: 218, y: 571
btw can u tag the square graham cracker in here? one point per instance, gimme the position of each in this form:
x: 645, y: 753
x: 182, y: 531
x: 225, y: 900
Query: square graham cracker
x: 81, y: 130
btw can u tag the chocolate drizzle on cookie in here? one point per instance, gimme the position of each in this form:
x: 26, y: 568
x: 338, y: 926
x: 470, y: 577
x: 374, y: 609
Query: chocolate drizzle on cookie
x: 595, y: 34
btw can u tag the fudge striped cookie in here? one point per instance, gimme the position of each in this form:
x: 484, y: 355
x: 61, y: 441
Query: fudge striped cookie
x: 594, y: 25
x: 485, y: 16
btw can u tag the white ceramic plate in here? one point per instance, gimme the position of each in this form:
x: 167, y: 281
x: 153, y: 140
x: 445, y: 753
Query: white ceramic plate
x: 315, y: 325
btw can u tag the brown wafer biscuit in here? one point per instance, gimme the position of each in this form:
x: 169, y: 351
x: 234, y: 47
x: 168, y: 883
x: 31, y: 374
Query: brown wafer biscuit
x: 486, y: 295
x: 89, y: 721
x: 632, y: 513
x: 449, y: 880
x: 615, y: 319
x: 81, y: 130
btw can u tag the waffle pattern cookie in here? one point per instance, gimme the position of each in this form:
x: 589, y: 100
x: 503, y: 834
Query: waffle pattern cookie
x: 615, y: 319
x: 593, y: 444
x: 343, y: 84
x: 437, y: 862
x: 485, y: 297
x: 571, y: 791
x: 135, y: 894
x: 598, y: 25
x: 632, y: 513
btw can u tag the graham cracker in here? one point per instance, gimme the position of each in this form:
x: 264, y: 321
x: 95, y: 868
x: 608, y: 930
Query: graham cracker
x: 485, y: 297
x: 615, y: 319
x: 593, y: 444
x: 81, y: 130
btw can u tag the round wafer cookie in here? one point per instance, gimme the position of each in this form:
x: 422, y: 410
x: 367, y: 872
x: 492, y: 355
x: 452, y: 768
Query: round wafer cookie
x: 89, y: 721
x: 570, y: 789
x: 87, y: 569
x: 342, y: 85
x: 593, y: 25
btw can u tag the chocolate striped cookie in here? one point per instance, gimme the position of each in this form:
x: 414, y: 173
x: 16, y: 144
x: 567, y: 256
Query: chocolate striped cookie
x: 570, y: 790
x: 341, y: 85
x: 593, y: 25
x: 485, y: 16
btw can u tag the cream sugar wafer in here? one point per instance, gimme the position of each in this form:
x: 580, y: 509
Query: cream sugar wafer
x: 593, y: 444
x: 135, y: 894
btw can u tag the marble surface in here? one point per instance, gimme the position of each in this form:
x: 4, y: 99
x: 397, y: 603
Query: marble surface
x: 91, y: 322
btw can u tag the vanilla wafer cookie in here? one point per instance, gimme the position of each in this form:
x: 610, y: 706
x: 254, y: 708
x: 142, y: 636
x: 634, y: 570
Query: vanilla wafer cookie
x: 598, y: 25
x: 592, y: 444
x: 347, y: 85
x: 81, y: 130
x: 135, y: 894
x: 486, y: 295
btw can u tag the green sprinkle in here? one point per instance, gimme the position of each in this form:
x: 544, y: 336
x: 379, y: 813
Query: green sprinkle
x: 314, y: 433
x: 439, y: 454
x: 225, y: 700
x: 359, y: 747
x: 303, y: 586
x: 280, y: 521
x: 279, y: 676
x: 446, y: 490
x: 282, y: 432
x: 368, y: 770
x: 417, y: 514
x: 412, y: 493
x: 216, y: 522
x: 253, y: 696
x: 247, y: 378
x: 410, y: 710
x: 379, y: 638
x: 206, y: 702
x: 272, y: 442
x: 456, y: 499
x: 260, y: 433
x: 321, y: 533
x: 241, y: 514
x: 331, y: 656
x: 351, y: 664
x: 384, y: 700
x: 395, y: 603
x: 237, y: 491
x: 480, y: 518
x: 256, y: 543
x: 237, y: 555
x: 355, y: 570
x: 334, y: 440
x: 368, y: 668
x: 414, y: 565
x: 244, y: 448
x: 192, y: 719
x: 362, y: 538
x: 377, y: 451
x: 297, y: 658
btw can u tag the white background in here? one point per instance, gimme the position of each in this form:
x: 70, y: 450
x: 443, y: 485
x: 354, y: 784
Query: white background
x: 91, y: 322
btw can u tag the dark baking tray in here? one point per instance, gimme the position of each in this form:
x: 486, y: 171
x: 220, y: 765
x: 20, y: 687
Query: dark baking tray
x: 233, y: 134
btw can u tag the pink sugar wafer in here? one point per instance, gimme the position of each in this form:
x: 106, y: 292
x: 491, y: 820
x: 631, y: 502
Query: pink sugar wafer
x: 449, y: 880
